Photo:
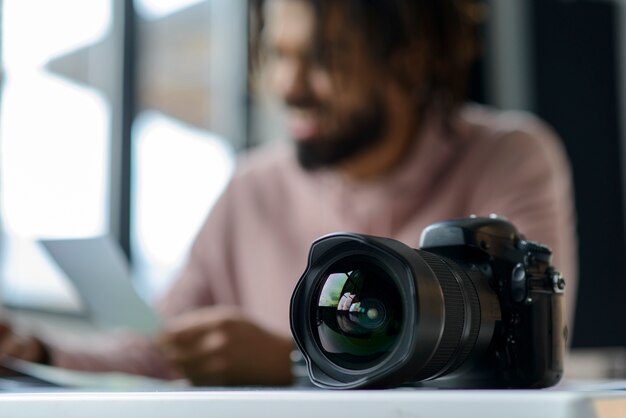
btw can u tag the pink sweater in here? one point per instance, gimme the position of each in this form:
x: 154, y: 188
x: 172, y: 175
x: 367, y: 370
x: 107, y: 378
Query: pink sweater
x: 254, y: 244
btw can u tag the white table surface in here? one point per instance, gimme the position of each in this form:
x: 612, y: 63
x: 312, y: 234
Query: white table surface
x: 317, y: 403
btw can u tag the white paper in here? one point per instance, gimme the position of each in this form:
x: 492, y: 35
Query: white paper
x: 99, y: 271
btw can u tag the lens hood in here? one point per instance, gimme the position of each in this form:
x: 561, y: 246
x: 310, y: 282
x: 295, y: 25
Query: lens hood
x: 422, y: 311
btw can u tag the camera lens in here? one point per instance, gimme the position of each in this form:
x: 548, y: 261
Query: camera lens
x: 373, y: 312
x: 358, y: 314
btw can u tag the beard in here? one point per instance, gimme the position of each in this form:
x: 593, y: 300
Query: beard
x: 363, y: 131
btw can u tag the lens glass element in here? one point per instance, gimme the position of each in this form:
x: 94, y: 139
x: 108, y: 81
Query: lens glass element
x: 359, y: 312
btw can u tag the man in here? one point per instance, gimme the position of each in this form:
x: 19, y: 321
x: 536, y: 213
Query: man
x: 382, y: 144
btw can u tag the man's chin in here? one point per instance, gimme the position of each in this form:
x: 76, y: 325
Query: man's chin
x: 315, y: 151
x: 312, y: 155
x: 322, y: 153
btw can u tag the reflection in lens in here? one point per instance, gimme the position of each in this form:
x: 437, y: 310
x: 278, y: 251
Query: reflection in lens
x: 369, y: 314
x: 359, y: 313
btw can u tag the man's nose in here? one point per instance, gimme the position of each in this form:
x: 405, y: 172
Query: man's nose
x: 295, y: 86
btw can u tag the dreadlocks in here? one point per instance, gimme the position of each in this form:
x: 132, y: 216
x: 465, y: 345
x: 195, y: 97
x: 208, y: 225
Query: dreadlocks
x: 441, y: 33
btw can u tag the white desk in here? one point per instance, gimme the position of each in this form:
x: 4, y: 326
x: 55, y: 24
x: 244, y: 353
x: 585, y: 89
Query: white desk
x: 317, y: 403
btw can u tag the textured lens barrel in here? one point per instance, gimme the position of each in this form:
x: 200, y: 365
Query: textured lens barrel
x: 462, y: 317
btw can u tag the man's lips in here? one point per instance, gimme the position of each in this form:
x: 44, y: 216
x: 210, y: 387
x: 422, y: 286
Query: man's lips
x: 304, y: 126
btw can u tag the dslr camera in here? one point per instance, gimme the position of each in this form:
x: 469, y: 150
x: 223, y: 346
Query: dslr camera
x: 477, y: 306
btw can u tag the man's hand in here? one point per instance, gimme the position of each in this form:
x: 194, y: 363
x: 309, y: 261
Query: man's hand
x: 219, y: 346
x: 24, y: 347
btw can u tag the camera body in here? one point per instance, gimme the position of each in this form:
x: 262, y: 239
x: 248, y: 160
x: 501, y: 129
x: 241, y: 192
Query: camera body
x: 477, y: 306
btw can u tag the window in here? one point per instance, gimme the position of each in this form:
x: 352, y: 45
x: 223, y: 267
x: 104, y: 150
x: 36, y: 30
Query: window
x: 191, y: 73
x: 54, y: 140
x: 60, y: 129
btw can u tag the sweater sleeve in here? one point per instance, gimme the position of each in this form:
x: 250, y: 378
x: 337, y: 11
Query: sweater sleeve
x: 208, y: 276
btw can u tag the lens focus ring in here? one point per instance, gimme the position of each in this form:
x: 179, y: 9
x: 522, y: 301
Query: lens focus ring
x: 455, y: 316
x: 474, y: 312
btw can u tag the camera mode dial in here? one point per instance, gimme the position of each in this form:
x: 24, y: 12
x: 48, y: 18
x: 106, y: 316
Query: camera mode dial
x: 535, y: 250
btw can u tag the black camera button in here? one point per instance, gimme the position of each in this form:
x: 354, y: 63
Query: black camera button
x: 558, y: 282
x: 518, y: 283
